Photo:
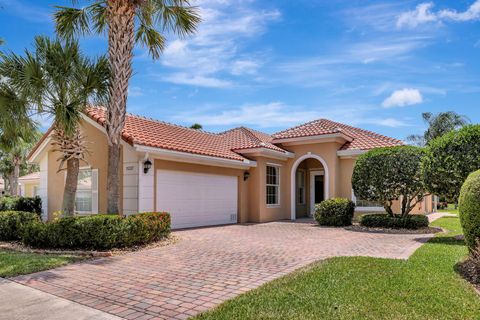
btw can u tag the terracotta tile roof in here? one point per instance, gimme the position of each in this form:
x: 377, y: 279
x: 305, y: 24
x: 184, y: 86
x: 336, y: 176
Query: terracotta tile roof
x: 158, y: 134
x: 245, y: 138
x: 31, y: 176
x: 361, y: 139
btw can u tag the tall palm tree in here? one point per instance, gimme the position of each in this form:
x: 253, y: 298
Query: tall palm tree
x: 59, y: 81
x: 17, y: 131
x: 438, y: 125
x: 127, y: 22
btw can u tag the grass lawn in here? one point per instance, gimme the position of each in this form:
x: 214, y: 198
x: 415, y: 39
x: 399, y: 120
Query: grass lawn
x: 423, y: 287
x: 16, y: 263
x: 450, y: 208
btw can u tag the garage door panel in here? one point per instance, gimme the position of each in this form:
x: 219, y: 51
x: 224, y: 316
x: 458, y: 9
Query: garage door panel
x: 197, y: 199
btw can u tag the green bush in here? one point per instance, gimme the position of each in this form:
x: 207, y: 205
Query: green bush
x: 469, y: 209
x: 24, y: 204
x: 12, y: 224
x: 98, y: 232
x: 335, y: 212
x: 383, y: 220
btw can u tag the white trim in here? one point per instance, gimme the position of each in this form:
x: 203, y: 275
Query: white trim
x: 312, y: 139
x: 313, y: 174
x: 304, y: 173
x: 194, y: 158
x: 292, y: 179
x: 273, y: 164
x: 350, y: 153
x: 265, y: 152
x: 34, y: 157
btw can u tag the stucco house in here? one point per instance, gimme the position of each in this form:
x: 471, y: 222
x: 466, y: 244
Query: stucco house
x: 28, y: 184
x: 201, y: 178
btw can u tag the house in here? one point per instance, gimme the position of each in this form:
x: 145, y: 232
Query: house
x: 201, y: 178
x: 28, y: 184
x: 2, y: 187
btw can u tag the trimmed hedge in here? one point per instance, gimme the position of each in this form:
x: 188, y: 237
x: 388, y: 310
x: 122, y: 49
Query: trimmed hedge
x: 383, y: 220
x: 469, y: 209
x: 335, y: 212
x: 98, y: 232
x: 25, y: 204
x: 13, y: 223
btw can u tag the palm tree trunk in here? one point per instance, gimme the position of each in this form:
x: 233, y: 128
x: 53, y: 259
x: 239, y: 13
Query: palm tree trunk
x: 121, y: 24
x: 15, y: 176
x: 71, y: 181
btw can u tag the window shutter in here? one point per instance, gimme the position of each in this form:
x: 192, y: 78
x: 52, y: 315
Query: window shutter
x: 94, y: 191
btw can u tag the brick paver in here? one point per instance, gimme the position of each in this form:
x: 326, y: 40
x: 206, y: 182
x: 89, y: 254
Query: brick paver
x: 208, y: 266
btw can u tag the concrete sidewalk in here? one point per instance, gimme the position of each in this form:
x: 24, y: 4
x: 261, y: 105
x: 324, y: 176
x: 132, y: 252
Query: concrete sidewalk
x: 24, y: 303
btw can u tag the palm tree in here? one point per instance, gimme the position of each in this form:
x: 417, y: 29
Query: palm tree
x: 128, y: 22
x: 59, y: 81
x: 438, y: 125
x: 17, y: 132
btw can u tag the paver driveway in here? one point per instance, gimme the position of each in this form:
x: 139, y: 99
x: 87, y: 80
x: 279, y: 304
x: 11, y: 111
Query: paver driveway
x: 208, y: 266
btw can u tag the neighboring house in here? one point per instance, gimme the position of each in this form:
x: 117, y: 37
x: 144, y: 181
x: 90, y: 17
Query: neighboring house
x: 29, y: 184
x: 240, y: 175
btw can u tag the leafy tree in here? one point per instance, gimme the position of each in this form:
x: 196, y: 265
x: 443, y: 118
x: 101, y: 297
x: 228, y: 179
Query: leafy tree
x: 438, y: 125
x: 388, y: 174
x: 59, y: 81
x: 450, y: 159
x: 127, y: 22
x: 196, y: 126
x: 469, y: 209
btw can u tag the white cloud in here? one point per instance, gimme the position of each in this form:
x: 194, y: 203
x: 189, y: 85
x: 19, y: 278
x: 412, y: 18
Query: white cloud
x: 423, y: 14
x: 215, y: 51
x: 403, y: 97
x: 197, y: 80
x: 135, y: 91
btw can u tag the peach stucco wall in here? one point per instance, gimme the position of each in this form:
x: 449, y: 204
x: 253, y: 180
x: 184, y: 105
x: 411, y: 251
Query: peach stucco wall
x: 96, y: 159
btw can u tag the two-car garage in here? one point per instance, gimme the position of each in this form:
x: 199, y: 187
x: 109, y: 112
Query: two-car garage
x: 197, y: 199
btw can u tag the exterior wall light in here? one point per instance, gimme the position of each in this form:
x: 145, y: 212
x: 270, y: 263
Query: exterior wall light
x: 246, y: 174
x: 146, y: 166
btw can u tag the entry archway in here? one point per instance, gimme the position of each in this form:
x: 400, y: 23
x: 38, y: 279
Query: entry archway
x: 293, y: 180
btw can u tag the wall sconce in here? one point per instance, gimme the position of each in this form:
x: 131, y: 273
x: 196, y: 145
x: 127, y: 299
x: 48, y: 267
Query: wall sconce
x: 246, y: 174
x: 146, y: 166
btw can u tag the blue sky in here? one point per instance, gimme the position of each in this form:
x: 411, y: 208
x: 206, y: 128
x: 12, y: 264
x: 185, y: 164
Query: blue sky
x: 271, y: 65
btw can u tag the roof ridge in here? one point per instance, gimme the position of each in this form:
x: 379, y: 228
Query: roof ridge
x: 364, y: 130
x: 252, y: 136
x: 298, y: 126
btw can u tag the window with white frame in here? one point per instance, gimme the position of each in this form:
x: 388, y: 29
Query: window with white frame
x: 360, y: 203
x: 86, y: 198
x: 273, y: 183
x: 301, y: 187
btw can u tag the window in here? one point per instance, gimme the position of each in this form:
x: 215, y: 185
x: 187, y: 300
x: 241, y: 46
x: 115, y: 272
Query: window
x: 272, y: 185
x: 35, y: 191
x: 86, y: 198
x: 367, y: 205
x: 301, y: 187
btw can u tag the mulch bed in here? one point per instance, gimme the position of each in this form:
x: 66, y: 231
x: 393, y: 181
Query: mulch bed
x: 359, y: 228
x: 470, y: 271
x: 20, y: 247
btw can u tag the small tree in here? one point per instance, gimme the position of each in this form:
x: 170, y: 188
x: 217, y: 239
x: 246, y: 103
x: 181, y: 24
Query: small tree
x: 196, y: 126
x: 469, y: 208
x: 450, y: 159
x: 388, y: 174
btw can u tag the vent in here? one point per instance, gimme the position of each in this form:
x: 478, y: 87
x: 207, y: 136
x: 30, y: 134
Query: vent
x: 233, y: 217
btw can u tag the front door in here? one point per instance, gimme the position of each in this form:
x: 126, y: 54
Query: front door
x: 317, y: 189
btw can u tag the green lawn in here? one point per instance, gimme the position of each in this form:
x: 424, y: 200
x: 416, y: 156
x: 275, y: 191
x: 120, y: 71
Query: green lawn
x: 16, y: 263
x: 423, y: 287
x: 450, y: 208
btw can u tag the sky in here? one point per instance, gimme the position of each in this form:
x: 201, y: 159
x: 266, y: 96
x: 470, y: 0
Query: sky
x: 271, y: 65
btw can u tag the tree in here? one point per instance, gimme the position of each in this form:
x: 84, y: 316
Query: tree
x: 196, y: 126
x: 389, y: 174
x: 469, y: 209
x: 438, y: 125
x: 17, y: 132
x: 127, y: 22
x: 59, y: 81
x: 450, y: 159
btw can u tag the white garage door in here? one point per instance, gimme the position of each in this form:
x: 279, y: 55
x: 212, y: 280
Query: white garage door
x: 197, y: 199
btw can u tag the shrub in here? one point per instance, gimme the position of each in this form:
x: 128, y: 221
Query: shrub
x: 386, y: 174
x: 450, y: 159
x: 12, y: 224
x: 98, y: 231
x: 335, y: 212
x: 383, y: 220
x: 469, y: 209
x: 24, y: 204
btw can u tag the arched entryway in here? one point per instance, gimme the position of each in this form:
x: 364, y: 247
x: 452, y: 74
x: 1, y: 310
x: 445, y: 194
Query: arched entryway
x: 310, y: 182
